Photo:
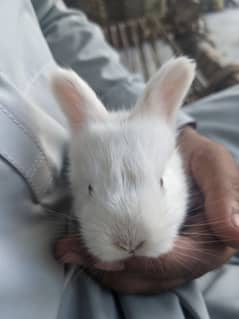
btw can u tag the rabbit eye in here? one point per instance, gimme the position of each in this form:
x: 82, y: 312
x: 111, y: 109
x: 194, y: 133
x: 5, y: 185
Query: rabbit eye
x: 161, y: 182
x: 90, y: 190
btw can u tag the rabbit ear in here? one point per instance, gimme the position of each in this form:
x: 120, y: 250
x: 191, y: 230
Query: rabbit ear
x: 77, y: 100
x: 165, y: 92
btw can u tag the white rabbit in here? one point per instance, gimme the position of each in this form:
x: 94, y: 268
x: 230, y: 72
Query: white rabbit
x: 129, y: 187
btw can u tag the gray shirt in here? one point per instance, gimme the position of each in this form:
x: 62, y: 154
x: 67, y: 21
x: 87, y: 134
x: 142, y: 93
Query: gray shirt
x: 77, y: 43
x: 32, y: 283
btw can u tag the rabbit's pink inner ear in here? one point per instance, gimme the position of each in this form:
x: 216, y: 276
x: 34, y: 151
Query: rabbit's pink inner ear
x: 165, y: 92
x: 171, y: 98
x: 173, y: 85
x: 70, y: 101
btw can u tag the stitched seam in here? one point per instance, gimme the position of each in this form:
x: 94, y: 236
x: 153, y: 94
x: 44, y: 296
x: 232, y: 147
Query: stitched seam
x: 29, y: 174
x: 18, y: 167
x: 37, y: 190
x: 26, y: 132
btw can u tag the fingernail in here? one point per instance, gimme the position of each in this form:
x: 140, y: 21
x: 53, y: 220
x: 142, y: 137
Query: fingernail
x: 235, y: 219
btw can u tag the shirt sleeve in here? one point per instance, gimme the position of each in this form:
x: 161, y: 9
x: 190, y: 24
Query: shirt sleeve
x: 77, y: 43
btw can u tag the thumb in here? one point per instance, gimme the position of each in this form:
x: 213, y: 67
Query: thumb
x: 217, y: 175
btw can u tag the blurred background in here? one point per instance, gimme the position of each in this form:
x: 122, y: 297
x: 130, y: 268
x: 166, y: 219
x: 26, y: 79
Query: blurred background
x: 146, y: 33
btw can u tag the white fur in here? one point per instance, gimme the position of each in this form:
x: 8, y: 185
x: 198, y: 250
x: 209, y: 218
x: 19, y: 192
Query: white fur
x: 124, y: 156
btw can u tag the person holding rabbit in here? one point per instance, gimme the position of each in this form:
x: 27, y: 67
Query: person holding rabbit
x: 200, y: 279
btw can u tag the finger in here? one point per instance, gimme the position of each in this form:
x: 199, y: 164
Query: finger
x: 217, y: 175
x: 109, y: 266
x: 189, y: 259
x: 133, y: 283
x: 166, y: 266
x: 72, y: 259
x: 71, y: 250
x: 65, y: 245
x: 166, y: 272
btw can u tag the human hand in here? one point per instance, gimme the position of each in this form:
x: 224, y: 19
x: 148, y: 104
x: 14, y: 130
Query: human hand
x: 216, y: 175
x: 206, y: 241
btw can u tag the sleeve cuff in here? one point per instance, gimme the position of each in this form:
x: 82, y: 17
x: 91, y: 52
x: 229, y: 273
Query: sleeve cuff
x: 184, y: 119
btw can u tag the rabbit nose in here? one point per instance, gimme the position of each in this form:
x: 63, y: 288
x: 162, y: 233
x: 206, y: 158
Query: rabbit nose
x: 136, y: 247
x: 131, y: 249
